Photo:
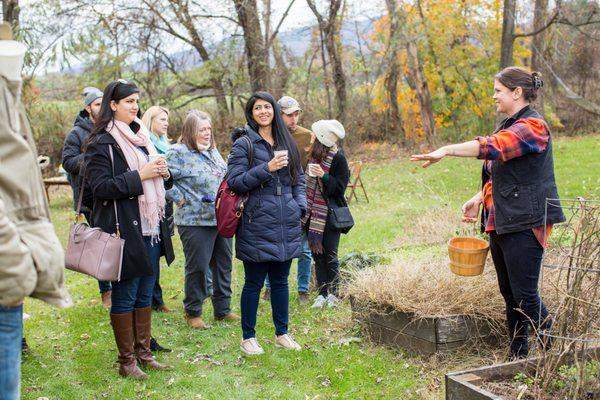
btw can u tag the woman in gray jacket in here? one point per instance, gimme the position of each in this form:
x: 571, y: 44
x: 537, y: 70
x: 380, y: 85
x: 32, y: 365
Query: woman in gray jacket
x: 198, y: 169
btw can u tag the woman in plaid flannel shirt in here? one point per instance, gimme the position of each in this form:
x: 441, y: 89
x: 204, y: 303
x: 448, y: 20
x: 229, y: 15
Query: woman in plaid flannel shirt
x: 517, y: 180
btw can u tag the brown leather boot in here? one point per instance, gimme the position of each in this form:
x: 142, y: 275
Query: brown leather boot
x: 122, y: 325
x: 142, y: 320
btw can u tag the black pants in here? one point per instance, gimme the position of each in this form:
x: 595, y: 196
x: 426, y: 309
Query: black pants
x: 205, y: 250
x: 327, y: 266
x: 518, y: 258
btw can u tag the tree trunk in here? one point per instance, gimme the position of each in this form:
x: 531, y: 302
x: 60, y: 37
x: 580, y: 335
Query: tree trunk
x: 330, y: 29
x: 508, y: 31
x: 422, y: 90
x: 10, y: 12
x: 393, y: 73
x: 339, y: 77
x: 256, y: 51
x: 537, y: 44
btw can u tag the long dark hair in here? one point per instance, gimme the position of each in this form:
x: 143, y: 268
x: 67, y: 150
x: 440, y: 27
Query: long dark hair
x: 116, y: 90
x: 282, y: 136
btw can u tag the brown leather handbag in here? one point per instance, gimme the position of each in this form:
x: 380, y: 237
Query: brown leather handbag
x: 92, y: 251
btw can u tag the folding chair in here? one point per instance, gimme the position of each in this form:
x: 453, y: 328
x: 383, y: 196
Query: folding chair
x: 355, y: 181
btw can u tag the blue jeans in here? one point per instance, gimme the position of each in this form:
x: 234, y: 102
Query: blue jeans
x: 304, y: 262
x: 255, y: 274
x: 11, y: 333
x: 134, y: 293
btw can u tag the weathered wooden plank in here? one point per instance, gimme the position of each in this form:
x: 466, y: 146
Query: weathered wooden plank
x: 384, y: 335
x: 461, y: 328
x: 406, y: 323
x: 457, y: 389
x: 459, y: 386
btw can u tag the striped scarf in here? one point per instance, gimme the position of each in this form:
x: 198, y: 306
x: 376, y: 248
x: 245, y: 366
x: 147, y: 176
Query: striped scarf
x: 316, y: 216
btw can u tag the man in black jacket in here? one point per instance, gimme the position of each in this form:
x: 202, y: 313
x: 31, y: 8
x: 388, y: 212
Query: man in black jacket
x: 72, y: 157
x: 72, y: 160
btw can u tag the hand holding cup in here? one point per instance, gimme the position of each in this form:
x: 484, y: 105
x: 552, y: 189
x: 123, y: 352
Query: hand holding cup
x: 280, y: 160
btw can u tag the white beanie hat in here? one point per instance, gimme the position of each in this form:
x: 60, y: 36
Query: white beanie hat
x: 328, y: 131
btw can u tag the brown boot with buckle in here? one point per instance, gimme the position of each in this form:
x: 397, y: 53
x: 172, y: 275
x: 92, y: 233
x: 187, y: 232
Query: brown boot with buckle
x: 142, y: 319
x: 122, y: 325
x: 195, y: 322
x: 106, y: 299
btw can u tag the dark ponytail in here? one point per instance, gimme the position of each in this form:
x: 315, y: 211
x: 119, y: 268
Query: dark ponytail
x: 514, y: 77
x: 282, y: 136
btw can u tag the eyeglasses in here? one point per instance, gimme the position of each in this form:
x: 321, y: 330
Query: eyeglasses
x: 123, y: 81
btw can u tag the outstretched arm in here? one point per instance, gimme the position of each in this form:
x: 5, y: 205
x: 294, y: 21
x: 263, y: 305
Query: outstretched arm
x: 466, y: 149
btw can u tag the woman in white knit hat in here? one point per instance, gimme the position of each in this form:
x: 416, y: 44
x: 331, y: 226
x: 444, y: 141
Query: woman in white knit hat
x: 326, y: 180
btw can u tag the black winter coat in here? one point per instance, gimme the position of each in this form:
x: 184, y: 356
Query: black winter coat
x: 72, y: 156
x: 124, y: 188
x: 270, y: 228
x: 339, y: 176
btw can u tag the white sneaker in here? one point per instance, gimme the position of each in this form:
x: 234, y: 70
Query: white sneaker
x: 332, y: 300
x: 320, y: 302
x: 286, y: 342
x: 251, y: 347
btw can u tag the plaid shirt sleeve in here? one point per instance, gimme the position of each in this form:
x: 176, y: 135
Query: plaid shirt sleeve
x: 528, y: 135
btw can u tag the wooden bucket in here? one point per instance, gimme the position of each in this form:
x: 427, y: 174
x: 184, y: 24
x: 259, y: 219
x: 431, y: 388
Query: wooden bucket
x: 467, y: 255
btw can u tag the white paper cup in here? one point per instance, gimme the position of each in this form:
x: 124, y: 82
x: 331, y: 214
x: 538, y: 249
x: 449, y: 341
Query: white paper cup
x: 309, y: 169
x: 281, y: 152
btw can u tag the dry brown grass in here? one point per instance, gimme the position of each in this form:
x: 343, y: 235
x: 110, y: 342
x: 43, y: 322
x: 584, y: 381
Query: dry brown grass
x: 425, y: 286
x: 434, y: 226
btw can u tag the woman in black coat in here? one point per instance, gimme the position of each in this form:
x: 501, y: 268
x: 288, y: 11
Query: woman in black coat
x: 126, y: 177
x: 327, y: 177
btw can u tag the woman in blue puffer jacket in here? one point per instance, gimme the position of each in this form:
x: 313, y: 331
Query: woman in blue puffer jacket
x: 269, y: 233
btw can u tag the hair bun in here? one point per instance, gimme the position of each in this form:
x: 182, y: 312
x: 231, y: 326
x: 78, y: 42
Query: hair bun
x: 538, y: 82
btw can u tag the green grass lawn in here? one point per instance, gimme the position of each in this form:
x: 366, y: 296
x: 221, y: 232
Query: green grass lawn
x: 73, y: 352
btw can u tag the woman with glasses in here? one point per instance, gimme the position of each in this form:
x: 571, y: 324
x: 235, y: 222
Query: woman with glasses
x: 198, y: 169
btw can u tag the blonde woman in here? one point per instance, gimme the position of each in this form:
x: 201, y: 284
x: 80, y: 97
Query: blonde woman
x: 198, y: 169
x: 156, y: 118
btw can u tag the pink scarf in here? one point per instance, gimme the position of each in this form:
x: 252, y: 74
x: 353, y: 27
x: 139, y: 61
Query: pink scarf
x: 152, y: 201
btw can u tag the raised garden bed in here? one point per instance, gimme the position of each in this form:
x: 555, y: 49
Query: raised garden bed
x: 469, y: 384
x: 420, y: 335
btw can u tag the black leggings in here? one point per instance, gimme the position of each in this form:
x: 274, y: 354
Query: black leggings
x: 327, y: 266
x: 518, y: 258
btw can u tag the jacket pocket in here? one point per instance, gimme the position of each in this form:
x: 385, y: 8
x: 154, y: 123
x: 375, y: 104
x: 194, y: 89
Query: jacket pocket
x: 517, y: 202
x: 48, y: 258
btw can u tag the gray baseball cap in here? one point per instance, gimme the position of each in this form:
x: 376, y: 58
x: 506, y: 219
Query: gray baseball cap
x: 289, y: 105
x: 91, y: 94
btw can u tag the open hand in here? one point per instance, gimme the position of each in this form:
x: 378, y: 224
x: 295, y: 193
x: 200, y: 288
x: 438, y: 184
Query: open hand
x: 429, y: 158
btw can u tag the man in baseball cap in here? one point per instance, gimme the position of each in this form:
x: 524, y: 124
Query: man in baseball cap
x: 290, y: 113
x: 72, y: 158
